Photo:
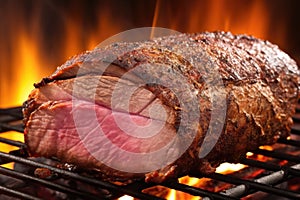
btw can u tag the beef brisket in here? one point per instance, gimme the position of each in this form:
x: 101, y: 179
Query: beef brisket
x: 245, y: 86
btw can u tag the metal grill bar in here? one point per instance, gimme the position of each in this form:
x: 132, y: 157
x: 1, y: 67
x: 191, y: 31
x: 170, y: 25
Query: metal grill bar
x: 263, y: 184
x: 279, y: 155
x: 78, y: 177
x: 196, y: 191
x: 14, y: 193
x: 12, y: 142
x: 9, y: 119
x: 271, y: 167
x: 49, y: 184
x: 7, y: 127
x: 296, y: 130
x: 260, y: 164
x: 15, y: 113
x: 289, y: 142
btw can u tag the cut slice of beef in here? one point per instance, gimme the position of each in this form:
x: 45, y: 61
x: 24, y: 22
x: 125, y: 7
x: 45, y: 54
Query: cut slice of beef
x: 153, y: 109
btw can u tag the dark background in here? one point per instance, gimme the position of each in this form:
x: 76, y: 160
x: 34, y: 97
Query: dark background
x: 38, y: 35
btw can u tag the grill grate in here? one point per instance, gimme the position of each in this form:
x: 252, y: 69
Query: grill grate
x: 74, y: 185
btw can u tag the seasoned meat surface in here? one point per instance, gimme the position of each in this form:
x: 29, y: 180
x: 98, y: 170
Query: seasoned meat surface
x: 187, y: 86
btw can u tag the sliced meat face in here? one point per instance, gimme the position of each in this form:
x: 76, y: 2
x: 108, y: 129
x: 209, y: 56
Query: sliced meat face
x: 92, y: 133
x: 110, y: 122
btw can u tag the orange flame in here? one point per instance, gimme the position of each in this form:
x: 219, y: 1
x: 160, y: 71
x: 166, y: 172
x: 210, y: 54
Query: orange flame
x: 26, y: 62
x: 126, y: 197
x: 21, y: 68
x: 155, y: 17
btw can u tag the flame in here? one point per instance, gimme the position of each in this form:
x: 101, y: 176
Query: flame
x: 21, y: 62
x: 172, y: 194
x: 156, y: 14
x: 25, y: 60
x: 6, y: 148
x: 25, y: 57
x: 266, y: 147
x: 249, y: 154
x: 23, y: 65
x: 29, y: 62
x: 226, y: 168
x: 254, y: 21
x: 126, y: 197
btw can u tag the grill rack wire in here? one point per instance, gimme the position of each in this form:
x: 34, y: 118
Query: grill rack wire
x: 11, y: 120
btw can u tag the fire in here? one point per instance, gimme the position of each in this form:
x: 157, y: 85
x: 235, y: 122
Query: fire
x: 226, y: 168
x: 25, y: 64
x: 21, y: 64
x: 205, y: 183
x: 260, y: 157
x: 266, y: 147
x: 251, y: 17
x: 28, y: 58
x: 172, y: 194
x: 25, y: 58
x: 25, y: 69
x: 6, y: 148
x: 26, y: 55
x: 126, y: 197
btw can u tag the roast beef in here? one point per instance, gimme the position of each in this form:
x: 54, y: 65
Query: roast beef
x: 161, y: 108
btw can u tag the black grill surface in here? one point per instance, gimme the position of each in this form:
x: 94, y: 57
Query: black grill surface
x: 61, y: 182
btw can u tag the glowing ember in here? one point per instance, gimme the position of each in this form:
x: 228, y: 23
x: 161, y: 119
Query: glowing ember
x: 266, y: 147
x: 6, y: 148
x: 191, y: 181
x: 249, y: 154
x: 226, y: 168
x: 126, y: 197
x: 172, y: 194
